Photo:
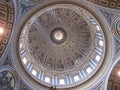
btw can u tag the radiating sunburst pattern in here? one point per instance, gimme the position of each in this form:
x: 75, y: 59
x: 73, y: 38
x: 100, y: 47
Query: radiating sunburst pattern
x: 76, y: 43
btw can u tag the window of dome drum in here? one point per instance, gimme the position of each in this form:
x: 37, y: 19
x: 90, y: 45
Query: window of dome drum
x: 47, y: 79
x: 76, y: 78
x: 34, y: 72
x: 98, y: 28
x: 101, y: 43
x: 97, y: 58
x: 62, y: 81
x: 89, y: 70
x: 24, y: 60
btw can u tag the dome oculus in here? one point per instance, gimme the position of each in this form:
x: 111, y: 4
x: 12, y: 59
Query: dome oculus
x: 58, y: 36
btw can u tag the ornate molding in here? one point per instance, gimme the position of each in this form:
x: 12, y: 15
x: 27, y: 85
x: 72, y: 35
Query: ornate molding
x: 114, y: 4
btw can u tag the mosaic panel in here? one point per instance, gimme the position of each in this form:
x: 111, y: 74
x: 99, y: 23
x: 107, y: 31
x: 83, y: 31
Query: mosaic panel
x: 7, y: 81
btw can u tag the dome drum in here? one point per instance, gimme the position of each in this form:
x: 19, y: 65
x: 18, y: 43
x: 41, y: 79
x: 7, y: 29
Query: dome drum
x: 61, y: 45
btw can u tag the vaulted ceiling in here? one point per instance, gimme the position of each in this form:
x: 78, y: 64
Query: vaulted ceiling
x: 68, y: 45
